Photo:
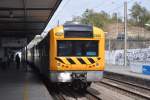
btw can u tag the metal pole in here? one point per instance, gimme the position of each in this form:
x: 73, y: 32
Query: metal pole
x: 109, y: 49
x: 125, y: 32
x: 26, y: 55
x: 117, y: 24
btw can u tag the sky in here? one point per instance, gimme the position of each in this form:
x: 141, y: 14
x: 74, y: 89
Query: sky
x: 71, y: 8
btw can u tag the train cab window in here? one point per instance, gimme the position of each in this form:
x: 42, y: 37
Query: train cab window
x: 64, y: 48
x: 77, y: 48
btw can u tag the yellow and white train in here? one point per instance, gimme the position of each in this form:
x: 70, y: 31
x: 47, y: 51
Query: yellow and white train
x: 71, y: 54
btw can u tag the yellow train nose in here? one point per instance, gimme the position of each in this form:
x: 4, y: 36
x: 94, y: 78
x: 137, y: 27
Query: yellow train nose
x: 78, y: 63
x: 78, y: 60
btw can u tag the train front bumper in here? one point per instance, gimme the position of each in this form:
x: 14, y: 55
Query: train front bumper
x: 69, y: 76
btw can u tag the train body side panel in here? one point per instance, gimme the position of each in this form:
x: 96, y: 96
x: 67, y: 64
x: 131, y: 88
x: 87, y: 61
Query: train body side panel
x: 101, y: 46
x: 53, y: 49
x: 44, y: 56
x: 41, y: 56
x: 52, y: 52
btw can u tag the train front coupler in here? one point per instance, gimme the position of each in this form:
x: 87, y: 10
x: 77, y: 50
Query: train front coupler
x: 79, y: 81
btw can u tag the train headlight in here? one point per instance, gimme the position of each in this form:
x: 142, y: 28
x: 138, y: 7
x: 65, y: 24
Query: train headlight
x: 97, y: 64
x: 64, y: 77
x: 58, y: 64
x: 59, y: 33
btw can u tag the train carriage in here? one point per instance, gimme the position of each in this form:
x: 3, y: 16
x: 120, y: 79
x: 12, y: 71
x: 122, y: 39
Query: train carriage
x: 71, y: 54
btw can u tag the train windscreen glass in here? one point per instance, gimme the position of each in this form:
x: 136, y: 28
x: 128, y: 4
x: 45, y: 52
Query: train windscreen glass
x: 77, y: 48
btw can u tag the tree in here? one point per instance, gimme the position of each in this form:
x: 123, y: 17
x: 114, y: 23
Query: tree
x: 99, y: 19
x: 93, y: 18
x: 116, y: 18
x: 139, y: 15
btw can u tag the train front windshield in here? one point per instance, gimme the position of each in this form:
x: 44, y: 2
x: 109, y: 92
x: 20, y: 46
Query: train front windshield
x: 77, y: 48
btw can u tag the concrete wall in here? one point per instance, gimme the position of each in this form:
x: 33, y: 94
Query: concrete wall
x: 134, y: 56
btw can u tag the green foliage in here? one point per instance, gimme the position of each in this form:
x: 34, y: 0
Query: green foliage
x: 115, y: 18
x: 93, y: 18
x: 139, y: 15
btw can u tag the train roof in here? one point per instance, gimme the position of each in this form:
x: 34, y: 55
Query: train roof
x: 79, y: 27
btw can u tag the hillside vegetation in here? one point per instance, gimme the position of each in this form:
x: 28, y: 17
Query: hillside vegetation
x: 113, y: 24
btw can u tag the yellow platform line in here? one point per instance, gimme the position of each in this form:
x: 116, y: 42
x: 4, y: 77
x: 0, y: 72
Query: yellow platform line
x: 25, y: 91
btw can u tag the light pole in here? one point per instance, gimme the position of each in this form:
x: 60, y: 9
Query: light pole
x: 125, y: 32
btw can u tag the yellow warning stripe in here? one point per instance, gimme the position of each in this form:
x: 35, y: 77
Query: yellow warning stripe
x: 86, y: 60
x: 95, y: 59
x: 65, y: 60
x: 76, y: 60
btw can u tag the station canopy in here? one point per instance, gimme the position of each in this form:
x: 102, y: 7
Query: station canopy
x: 25, y: 18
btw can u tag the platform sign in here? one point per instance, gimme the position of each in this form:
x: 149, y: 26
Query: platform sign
x: 13, y: 42
x: 146, y: 69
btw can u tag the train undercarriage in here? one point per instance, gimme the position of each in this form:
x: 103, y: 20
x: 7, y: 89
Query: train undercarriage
x: 78, y: 80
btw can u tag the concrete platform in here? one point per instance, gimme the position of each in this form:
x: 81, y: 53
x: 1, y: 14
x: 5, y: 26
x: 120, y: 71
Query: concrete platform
x: 125, y: 71
x: 21, y: 85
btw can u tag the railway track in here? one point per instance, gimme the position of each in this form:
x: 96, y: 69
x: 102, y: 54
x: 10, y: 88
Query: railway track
x: 141, y: 87
x: 127, y: 88
x: 67, y: 93
x: 92, y: 95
